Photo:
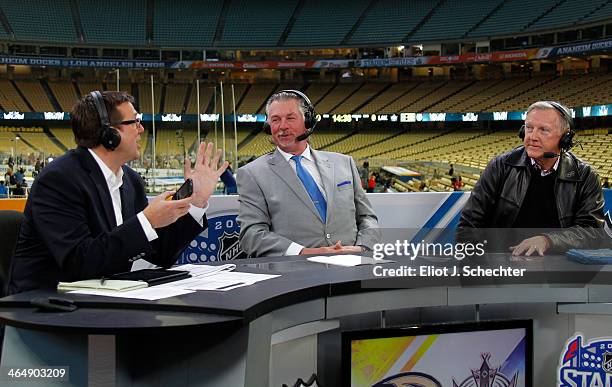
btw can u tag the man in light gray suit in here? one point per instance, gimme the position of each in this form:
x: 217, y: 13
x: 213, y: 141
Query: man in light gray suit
x: 297, y: 200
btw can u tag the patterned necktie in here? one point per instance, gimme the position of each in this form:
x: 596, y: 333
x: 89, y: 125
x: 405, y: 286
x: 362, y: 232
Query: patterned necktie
x: 311, y: 187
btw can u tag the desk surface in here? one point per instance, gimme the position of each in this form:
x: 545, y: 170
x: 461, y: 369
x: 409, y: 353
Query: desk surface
x: 300, y: 281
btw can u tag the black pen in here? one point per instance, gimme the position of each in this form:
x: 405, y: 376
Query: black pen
x: 230, y: 286
x: 102, y: 280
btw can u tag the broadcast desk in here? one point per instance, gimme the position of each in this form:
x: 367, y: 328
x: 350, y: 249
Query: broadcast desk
x: 225, y: 338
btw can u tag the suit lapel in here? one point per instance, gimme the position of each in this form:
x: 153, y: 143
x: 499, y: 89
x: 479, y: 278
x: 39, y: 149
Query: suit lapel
x: 326, y: 170
x: 95, y: 174
x: 282, y: 169
x: 127, y: 198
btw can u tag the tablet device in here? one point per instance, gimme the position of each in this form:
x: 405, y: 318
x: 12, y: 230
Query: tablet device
x: 152, y: 276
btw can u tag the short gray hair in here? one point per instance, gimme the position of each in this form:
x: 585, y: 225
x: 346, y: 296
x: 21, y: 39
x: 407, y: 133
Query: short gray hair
x: 286, y: 96
x: 564, y: 123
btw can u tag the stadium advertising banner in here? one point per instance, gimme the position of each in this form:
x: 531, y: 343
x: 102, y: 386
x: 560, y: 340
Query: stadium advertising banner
x: 498, y: 56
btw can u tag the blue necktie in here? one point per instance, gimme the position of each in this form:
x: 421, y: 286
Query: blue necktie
x: 311, y: 187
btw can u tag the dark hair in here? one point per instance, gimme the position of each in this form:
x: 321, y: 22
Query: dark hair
x: 85, y: 118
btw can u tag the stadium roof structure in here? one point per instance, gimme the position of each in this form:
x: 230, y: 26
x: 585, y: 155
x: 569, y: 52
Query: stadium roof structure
x: 252, y: 24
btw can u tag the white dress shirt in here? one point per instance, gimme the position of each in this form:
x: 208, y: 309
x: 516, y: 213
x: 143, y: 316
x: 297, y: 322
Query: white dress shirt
x: 114, y: 182
x: 309, y: 164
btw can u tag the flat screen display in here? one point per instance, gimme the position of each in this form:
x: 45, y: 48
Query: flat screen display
x: 492, y: 354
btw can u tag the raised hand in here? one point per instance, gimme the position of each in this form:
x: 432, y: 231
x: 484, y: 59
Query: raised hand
x: 205, y: 173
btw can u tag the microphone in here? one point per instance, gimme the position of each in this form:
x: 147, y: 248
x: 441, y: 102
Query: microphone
x: 305, y: 135
x: 551, y: 155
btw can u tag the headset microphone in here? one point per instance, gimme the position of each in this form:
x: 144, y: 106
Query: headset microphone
x: 551, y: 155
x: 305, y: 135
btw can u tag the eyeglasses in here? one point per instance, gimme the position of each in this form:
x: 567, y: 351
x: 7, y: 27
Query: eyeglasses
x: 130, y: 122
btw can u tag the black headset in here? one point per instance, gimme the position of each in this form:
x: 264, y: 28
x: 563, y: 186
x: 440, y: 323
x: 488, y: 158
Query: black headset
x: 109, y: 136
x: 567, y: 140
x: 310, y: 116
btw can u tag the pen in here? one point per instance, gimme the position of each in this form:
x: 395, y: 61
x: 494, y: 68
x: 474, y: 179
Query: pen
x: 102, y: 280
x: 230, y: 285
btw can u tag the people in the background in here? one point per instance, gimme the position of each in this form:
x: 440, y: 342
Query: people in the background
x: 457, y: 183
x: 229, y: 181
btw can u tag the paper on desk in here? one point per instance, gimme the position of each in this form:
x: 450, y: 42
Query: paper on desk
x: 223, y: 281
x: 151, y: 293
x: 205, y: 270
x: 346, y: 260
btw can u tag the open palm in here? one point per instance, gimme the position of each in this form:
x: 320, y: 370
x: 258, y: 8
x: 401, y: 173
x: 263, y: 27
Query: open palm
x: 205, y: 173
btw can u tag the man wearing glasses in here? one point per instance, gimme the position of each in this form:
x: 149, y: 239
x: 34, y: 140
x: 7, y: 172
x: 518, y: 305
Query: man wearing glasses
x: 539, y: 185
x: 87, y: 215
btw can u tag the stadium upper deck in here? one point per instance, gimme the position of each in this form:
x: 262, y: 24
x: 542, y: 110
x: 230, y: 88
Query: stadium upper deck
x: 294, y: 23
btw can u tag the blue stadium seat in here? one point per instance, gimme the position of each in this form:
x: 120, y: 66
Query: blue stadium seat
x: 190, y: 23
x: 381, y: 23
x: 40, y: 21
x: 454, y: 19
x: 566, y: 14
x: 120, y: 22
x: 512, y: 16
x: 254, y: 23
x: 315, y: 28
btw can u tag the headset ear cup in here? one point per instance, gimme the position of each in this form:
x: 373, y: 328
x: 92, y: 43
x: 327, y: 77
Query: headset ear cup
x: 110, y: 138
x: 567, y: 141
x: 521, y: 133
x: 266, y: 128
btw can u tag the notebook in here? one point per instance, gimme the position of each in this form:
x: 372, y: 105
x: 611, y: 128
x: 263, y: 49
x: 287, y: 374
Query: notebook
x: 109, y: 285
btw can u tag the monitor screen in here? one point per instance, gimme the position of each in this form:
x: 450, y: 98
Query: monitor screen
x: 493, y: 353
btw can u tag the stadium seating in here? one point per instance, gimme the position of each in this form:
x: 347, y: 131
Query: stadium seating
x: 564, y: 14
x: 190, y: 22
x: 380, y: 24
x: 314, y: 28
x: 175, y: 97
x: 144, y: 98
x: 38, y: 21
x: 602, y: 13
x: 64, y: 93
x: 254, y: 23
x: 122, y: 22
x: 65, y: 136
x: 336, y: 96
x: 206, y: 94
x: 253, y: 100
x: 36, y: 95
x: 10, y: 100
x: 453, y: 18
x: 513, y: 15
x: 358, y: 98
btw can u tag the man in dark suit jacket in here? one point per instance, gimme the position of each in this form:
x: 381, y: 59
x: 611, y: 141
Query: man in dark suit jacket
x: 87, y: 215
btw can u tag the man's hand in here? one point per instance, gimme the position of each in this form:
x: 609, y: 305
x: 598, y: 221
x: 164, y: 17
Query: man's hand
x: 161, y: 212
x: 531, y: 245
x: 335, y: 249
x: 205, y: 173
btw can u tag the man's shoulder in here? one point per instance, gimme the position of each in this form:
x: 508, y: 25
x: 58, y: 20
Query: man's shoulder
x: 512, y: 157
x: 260, y: 162
x: 64, y: 164
x: 582, y: 166
x: 333, y: 155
